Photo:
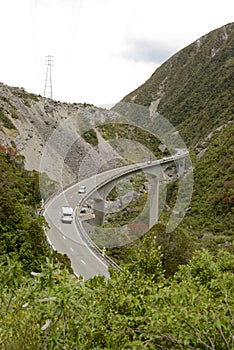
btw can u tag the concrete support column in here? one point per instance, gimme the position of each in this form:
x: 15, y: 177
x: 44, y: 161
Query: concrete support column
x: 180, y: 167
x: 99, y: 211
x: 99, y: 202
x: 154, y: 200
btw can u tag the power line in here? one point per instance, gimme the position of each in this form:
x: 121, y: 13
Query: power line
x: 75, y: 14
x: 48, y: 79
x: 34, y: 27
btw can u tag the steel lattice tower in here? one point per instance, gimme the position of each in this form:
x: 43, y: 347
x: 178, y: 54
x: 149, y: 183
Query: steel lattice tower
x: 48, y: 80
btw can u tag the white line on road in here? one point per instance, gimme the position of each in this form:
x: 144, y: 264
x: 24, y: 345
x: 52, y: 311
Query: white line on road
x: 83, y: 262
x: 64, y: 237
x: 72, y: 249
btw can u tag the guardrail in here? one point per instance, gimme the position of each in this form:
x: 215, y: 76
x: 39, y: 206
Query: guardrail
x: 85, y: 236
x: 134, y: 168
x: 82, y: 231
x: 94, y: 246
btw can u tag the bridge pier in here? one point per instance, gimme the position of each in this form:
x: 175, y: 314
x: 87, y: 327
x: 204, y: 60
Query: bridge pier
x: 99, y: 202
x: 99, y: 211
x: 157, y: 192
x: 154, y: 200
x: 180, y: 165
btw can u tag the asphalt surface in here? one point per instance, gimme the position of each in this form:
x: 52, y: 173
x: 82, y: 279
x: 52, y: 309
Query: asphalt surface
x: 66, y: 238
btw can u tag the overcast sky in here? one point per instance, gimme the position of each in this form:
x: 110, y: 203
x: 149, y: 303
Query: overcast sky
x: 102, y: 49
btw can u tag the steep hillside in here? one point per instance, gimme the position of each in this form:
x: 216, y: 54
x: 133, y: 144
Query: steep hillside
x: 194, y: 88
x: 66, y: 141
x: 194, y: 91
x: 211, y: 216
x: 153, y: 303
x: 40, y: 128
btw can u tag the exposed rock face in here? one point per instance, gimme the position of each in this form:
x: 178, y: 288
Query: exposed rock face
x: 191, y: 90
x: 48, y: 133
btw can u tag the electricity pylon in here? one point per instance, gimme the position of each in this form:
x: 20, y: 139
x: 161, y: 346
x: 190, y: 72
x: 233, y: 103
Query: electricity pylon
x: 48, y: 80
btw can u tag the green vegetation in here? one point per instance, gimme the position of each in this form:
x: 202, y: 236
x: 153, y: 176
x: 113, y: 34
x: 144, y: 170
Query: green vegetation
x: 90, y: 136
x: 12, y: 110
x: 21, y: 231
x: 25, y: 96
x: 176, y: 290
x: 115, y: 131
x: 136, y: 183
x: 6, y: 122
x: 136, y: 309
x: 7, y: 108
x: 176, y: 248
x: 195, y: 91
x: 194, y: 86
x: 129, y: 213
x: 212, y: 202
x: 112, y: 195
x: 13, y: 113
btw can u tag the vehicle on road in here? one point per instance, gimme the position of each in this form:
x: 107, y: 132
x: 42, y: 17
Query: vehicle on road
x: 82, y: 189
x: 67, y: 214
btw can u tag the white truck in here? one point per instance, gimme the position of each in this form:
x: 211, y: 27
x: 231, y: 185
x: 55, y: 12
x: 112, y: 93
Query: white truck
x: 67, y: 214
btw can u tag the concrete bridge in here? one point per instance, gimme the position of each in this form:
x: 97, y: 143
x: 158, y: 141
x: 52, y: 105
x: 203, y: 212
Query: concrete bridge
x: 72, y: 239
x: 155, y: 171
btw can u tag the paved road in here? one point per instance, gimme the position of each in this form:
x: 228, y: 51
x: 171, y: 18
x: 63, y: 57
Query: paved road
x: 66, y: 239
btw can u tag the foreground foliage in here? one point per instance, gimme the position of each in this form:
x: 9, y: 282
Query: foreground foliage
x: 135, y: 309
x: 21, y: 231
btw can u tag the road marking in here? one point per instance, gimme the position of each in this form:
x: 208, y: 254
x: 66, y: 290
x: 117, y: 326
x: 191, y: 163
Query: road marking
x: 83, y: 262
x: 106, y: 178
x: 64, y: 237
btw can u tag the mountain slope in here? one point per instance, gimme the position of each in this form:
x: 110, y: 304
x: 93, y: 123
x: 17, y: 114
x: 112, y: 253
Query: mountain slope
x: 194, y: 88
x: 34, y: 126
x: 194, y: 91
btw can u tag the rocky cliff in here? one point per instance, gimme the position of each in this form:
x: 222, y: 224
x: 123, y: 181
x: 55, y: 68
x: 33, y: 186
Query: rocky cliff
x: 41, y: 129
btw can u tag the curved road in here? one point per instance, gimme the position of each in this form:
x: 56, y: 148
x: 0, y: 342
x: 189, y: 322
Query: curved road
x: 66, y: 238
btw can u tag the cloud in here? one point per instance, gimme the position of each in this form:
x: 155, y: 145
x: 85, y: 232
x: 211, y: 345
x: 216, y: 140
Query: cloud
x: 147, y: 51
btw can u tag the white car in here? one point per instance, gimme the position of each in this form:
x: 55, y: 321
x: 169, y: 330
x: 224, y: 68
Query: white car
x: 82, y: 189
x: 67, y: 214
